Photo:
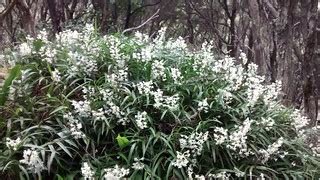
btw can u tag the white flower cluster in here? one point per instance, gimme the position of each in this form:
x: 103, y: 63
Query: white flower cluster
x: 145, y: 87
x: 315, y: 148
x: 271, y: 93
x: 272, y: 149
x: 145, y: 54
x: 158, y: 70
x: 82, y: 108
x: 221, y: 175
x: 87, y: 171
x: 24, y: 49
x: 74, y: 126
x: 170, y: 102
x: 69, y: 38
x: 138, y: 165
x: 254, y: 85
x: 141, y: 119
x: 99, y: 115
x: 182, y: 159
x: 32, y: 160
x: 176, y: 75
x: 204, y: 59
x: 49, y: 54
x: 238, y: 138
x: 194, y: 142
x: 115, y: 173
x: 225, y: 95
x: 203, y: 105
x: 110, y: 107
x: 267, y: 123
x: 55, y: 75
x: 220, y: 135
x: 81, y: 63
x: 13, y: 143
x: 117, y: 77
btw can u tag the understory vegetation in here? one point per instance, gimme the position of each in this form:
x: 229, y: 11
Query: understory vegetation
x: 112, y: 107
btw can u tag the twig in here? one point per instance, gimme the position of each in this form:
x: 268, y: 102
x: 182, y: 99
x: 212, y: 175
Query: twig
x: 155, y: 15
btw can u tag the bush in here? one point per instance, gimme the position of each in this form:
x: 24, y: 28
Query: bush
x: 132, y: 107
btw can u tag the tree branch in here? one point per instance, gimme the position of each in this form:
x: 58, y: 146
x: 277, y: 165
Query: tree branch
x: 155, y: 15
x: 8, y: 9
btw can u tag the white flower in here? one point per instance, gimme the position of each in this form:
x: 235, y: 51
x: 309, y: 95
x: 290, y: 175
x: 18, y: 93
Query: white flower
x: 182, y: 159
x: 267, y: 123
x: 55, y: 76
x: 144, y: 87
x: 220, y: 135
x: 86, y: 171
x: 238, y: 138
x: 74, y: 125
x: 13, y: 143
x: 82, y: 64
x: 158, y: 70
x: 176, y: 74
x: 221, y: 175
x: 99, y: 115
x: 170, y: 102
x: 272, y: 149
x: 24, y: 49
x: 32, y: 160
x: 115, y: 173
x: 194, y: 142
x: 138, y: 165
x: 114, y: 109
x: 141, y: 119
x: 82, y: 108
x: 203, y: 105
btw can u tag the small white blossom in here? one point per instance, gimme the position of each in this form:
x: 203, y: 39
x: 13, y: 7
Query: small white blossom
x: 74, y: 126
x: 203, y: 105
x: 158, y: 70
x: 24, y: 49
x: 238, y: 138
x: 82, y: 108
x: 194, y: 142
x: 13, y: 143
x: 182, y: 159
x: 32, y: 160
x: 99, y: 115
x: 141, y: 119
x: 176, y: 75
x: 87, y: 171
x: 138, y: 165
x: 55, y: 75
x: 220, y: 135
x: 272, y: 149
x: 144, y: 87
x: 267, y: 123
x: 115, y: 173
x: 221, y: 175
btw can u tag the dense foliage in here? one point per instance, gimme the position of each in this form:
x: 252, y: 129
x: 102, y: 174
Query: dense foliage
x: 133, y: 107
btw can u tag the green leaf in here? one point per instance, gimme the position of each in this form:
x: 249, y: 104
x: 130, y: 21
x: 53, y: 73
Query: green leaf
x: 13, y: 74
x: 122, y: 141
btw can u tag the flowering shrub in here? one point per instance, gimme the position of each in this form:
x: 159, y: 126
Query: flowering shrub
x: 113, y: 107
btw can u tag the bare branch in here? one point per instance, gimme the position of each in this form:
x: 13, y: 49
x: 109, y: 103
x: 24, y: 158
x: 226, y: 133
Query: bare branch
x: 8, y: 9
x: 155, y: 15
